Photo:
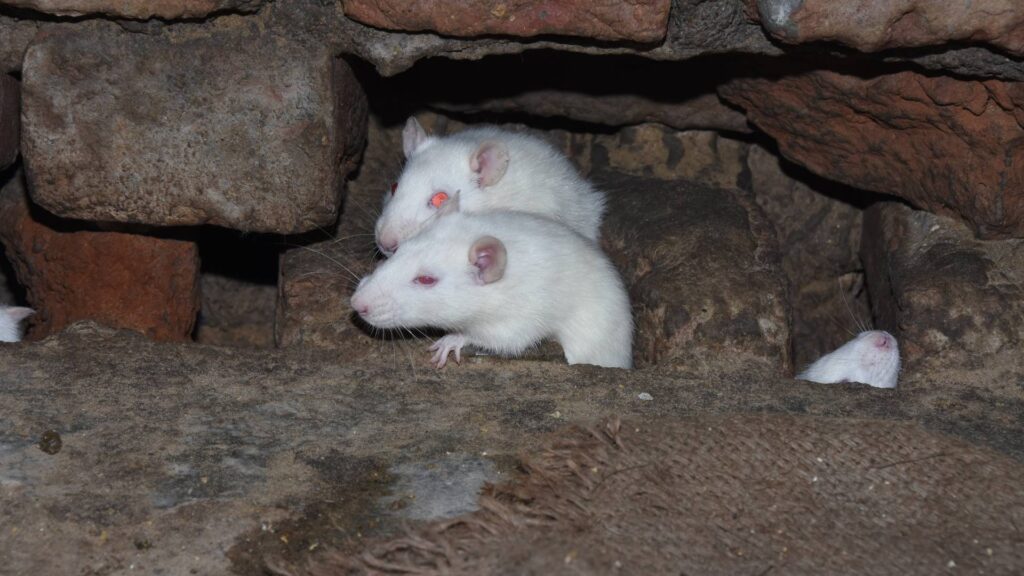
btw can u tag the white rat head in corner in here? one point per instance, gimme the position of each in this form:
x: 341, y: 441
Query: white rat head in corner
x: 872, y: 358
x: 435, y: 171
x: 10, y: 320
x: 438, y: 279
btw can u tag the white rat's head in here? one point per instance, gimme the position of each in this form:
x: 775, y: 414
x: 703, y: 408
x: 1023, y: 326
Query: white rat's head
x: 873, y: 358
x: 10, y: 320
x: 436, y: 170
x: 440, y: 278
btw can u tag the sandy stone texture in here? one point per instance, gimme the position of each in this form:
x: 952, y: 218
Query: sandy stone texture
x: 873, y: 25
x: 702, y: 269
x: 240, y: 129
x: 945, y: 144
x: 636, y: 21
x: 137, y: 9
x: 951, y: 299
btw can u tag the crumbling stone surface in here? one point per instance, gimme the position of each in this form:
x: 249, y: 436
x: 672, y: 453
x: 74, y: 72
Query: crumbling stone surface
x: 132, y: 281
x: 702, y: 271
x: 236, y: 312
x: 171, y: 455
x: 15, y: 36
x: 695, y: 28
x: 821, y: 233
x: 10, y: 120
x: 653, y: 151
x: 872, y: 25
x: 138, y: 9
x: 952, y: 300
x: 244, y: 130
x: 637, y: 21
x: 902, y: 129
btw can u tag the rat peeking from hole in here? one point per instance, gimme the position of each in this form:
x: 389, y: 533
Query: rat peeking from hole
x: 10, y: 322
x: 872, y: 358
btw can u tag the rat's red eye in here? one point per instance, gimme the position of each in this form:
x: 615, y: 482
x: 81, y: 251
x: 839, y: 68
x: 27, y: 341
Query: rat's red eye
x: 394, y: 186
x: 425, y: 280
x: 438, y: 199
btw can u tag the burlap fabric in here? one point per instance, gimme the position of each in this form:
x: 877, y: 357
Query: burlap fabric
x: 749, y: 495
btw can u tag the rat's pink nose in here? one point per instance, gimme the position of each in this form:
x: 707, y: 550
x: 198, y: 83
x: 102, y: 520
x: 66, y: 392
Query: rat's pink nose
x: 388, y: 244
x: 882, y: 340
x: 359, y: 306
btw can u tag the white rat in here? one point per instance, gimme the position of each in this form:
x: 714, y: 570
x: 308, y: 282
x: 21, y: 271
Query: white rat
x: 872, y: 358
x: 503, y: 281
x: 10, y: 320
x: 490, y: 169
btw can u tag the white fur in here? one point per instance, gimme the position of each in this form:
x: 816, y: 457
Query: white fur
x: 872, y: 358
x: 10, y: 322
x: 538, y: 180
x: 556, y: 284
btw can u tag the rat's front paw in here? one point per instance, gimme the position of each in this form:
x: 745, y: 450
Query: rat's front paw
x: 452, y: 342
x: 441, y: 348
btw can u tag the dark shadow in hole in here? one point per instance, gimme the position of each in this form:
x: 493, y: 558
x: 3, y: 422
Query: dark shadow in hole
x: 11, y: 292
x: 393, y: 334
x: 448, y: 84
x: 856, y: 197
x: 251, y: 258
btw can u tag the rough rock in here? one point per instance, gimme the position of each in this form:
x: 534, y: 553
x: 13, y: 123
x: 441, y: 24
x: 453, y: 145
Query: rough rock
x: 873, y: 25
x: 696, y: 28
x: 132, y: 281
x: 653, y: 151
x: 241, y: 129
x: 821, y: 233
x: 137, y: 9
x: 10, y: 120
x: 179, y: 457
x: 15, y: 36
x: 641, y: 21
x: 947, y: 145
x: 236, y: 312
x: 705, y: 26
x: 951, y: 299
x: 702, y: 271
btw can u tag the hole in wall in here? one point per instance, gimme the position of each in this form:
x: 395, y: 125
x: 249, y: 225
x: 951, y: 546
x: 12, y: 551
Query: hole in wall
x: 559, y: 96
x: 238, y: 285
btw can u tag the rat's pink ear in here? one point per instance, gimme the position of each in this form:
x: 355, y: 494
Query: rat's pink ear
x: 490, y: 161
x: 489, y: 257
x: 17, y: 314
x: 413, y: 136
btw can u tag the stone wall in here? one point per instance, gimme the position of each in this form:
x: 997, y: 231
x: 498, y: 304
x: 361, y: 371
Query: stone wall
x: 155, y: 119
